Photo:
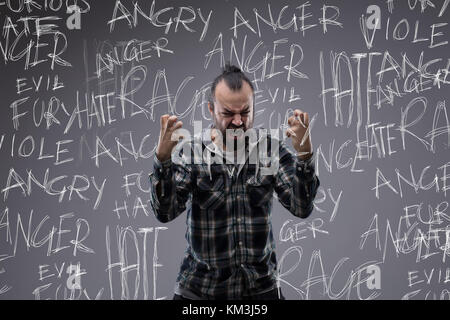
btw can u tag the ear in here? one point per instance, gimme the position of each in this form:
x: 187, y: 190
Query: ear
x: 210, y: 107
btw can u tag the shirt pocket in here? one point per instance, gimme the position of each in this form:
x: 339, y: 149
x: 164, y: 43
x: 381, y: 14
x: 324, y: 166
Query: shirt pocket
x: 260, y: 189
x: 210, y: 192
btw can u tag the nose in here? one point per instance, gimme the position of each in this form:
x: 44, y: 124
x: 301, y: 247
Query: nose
x: 237, y: 120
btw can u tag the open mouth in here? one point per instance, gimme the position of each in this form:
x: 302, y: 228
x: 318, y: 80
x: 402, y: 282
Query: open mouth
x: 235, y: 133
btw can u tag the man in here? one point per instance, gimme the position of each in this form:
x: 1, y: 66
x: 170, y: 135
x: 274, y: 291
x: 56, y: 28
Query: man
x: 230, y: 250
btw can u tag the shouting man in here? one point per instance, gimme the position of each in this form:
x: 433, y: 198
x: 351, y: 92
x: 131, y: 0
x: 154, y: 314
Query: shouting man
x: 230, y: 250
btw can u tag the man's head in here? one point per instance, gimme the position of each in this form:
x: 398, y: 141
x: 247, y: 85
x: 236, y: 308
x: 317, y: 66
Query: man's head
x: 231, y: 103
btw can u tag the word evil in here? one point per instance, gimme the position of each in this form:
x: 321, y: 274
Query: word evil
x: 68, y: 289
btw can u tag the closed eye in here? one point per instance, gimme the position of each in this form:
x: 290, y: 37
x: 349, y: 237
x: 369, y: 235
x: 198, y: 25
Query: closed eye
x: 230, y: 114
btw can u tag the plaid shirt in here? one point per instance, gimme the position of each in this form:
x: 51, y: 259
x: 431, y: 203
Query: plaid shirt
x: 230, y: 245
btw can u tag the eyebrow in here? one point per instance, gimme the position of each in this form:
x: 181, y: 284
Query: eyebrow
x: 246, y: 108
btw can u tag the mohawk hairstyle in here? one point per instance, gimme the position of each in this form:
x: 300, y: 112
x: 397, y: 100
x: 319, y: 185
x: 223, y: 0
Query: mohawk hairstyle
x: 233, y: 77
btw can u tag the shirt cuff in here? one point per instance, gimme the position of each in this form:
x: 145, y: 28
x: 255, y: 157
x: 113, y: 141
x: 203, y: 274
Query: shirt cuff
x: 164, y: 164
x: 308, y: 161
x: 160, y: 168
x: 306, y: 168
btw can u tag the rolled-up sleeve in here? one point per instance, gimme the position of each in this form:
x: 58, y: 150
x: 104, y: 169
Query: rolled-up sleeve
x: 296, y: 182
x: 171, y: 188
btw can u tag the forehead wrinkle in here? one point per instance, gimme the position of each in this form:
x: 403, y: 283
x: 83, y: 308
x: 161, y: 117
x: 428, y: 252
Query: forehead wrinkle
x: 239, y: 98
x: 245, y: 107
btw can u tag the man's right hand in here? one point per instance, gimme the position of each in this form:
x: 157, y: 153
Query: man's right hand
x: 165, y: 145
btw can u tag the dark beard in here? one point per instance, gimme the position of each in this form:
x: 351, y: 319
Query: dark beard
x: 224, y: 136
x: 234, y: 141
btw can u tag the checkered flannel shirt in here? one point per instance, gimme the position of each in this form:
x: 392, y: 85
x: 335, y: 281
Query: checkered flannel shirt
x: 230, y: 249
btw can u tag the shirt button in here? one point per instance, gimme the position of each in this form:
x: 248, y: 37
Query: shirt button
x: 238, y: 219
x: 240, y: 243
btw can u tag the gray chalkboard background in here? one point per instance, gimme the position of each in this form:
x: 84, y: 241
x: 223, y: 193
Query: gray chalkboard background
x: 81, y: 97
